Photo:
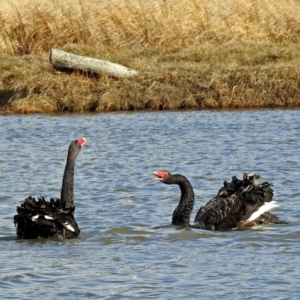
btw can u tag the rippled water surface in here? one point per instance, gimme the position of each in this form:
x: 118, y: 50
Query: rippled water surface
x: 127, y: 248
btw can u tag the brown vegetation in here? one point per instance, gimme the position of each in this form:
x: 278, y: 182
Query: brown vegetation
x: 194, y: 54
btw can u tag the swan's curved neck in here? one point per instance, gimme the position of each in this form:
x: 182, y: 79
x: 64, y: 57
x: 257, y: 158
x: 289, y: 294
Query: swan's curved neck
x: 182, y: 213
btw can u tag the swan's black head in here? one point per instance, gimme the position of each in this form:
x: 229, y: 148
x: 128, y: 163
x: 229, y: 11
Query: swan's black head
x: 76, y: 145
x: 81, y: 142
x: 163, y: 176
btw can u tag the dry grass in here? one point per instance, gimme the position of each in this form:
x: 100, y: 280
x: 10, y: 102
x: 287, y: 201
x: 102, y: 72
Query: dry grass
x: 192, y: 54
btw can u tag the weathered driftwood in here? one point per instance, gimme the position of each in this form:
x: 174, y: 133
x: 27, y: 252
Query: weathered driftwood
x: 65, y: 60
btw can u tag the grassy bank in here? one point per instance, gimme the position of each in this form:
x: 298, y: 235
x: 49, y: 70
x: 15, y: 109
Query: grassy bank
x: 195, y: 54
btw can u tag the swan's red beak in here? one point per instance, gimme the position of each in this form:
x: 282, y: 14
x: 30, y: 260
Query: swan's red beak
x: 81, y: 141
x: 159, y: 175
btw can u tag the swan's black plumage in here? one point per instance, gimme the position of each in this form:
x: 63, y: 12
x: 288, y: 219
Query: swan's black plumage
x: 259, y: 193
x: 232, y: 207
x: 39, y: 218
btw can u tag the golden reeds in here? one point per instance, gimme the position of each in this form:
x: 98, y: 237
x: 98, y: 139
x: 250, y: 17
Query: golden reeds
x: 190, y: 54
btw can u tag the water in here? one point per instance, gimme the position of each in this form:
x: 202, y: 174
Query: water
x: 127, y: 248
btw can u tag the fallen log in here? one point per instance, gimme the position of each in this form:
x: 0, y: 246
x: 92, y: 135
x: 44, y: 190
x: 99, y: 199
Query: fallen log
x: 65, y: 60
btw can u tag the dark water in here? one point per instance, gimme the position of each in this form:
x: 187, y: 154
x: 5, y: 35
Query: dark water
x: 127, y: 248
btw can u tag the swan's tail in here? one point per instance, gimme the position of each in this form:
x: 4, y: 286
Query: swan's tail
x: 264, y: 208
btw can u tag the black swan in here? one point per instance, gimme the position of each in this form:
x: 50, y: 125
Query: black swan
x: 237, y: 205
x: 38, y: 218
